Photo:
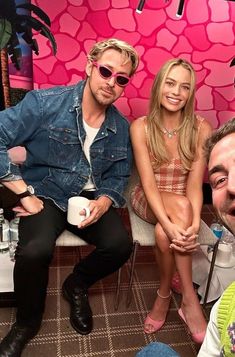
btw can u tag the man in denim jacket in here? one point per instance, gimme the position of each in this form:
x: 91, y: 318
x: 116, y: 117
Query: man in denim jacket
x: 77, y: 144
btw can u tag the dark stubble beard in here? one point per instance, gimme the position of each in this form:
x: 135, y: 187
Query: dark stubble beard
x: 100, y: 99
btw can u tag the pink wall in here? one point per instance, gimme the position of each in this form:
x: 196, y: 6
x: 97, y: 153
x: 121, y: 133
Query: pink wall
x: 204, y: 36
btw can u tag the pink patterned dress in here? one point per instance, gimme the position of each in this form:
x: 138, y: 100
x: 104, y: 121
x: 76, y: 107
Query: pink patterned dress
x: 170, y: 177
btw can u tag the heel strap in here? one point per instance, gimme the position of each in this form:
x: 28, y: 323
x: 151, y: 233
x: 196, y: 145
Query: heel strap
x: 164, y: 297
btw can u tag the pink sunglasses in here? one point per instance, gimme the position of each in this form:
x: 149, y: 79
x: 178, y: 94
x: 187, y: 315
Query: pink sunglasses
x: 121, y: 79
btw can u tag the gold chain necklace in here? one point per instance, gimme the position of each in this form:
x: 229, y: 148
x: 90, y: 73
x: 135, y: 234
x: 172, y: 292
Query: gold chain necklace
x: 170, y: 133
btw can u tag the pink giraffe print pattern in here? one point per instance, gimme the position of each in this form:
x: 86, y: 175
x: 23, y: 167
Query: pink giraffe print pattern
x: 204, y: 35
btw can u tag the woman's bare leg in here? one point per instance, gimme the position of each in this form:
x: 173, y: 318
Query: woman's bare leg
x: 165, y: 259
x: 190, y: 303
x: 179, y: 211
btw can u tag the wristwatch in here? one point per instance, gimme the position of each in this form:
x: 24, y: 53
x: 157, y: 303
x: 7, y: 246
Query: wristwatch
x: 29, y: 192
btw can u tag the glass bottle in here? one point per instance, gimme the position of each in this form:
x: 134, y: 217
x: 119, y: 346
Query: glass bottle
x: 14, y: 236
x: 14, y: 226
x: 4, y: 233
x: 228, y: 238
x: 217, y: 229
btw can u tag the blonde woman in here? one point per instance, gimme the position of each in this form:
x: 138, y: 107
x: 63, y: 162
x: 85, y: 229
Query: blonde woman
x: 168, y: 149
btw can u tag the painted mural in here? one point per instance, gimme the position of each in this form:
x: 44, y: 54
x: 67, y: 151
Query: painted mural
x: 204, y: 35
x: 22, y: 78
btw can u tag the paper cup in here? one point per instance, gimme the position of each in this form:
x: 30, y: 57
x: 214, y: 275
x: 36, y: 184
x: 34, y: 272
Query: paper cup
x: 76, y: 207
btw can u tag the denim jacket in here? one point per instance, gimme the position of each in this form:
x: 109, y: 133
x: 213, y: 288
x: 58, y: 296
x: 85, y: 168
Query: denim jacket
x: 48, y: 123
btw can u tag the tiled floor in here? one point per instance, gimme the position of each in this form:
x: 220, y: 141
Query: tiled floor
x: 116, y: 333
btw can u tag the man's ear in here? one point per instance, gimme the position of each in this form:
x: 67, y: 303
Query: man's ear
x: 88, y: 68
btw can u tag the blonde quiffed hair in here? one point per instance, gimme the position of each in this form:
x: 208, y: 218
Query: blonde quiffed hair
x: 121, y: 46
x: 188, y: 129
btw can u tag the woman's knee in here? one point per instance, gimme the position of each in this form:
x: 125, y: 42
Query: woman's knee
x: 162, y: 240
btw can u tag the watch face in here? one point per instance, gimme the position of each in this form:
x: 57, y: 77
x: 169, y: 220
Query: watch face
x: 28, y: 192
x: 30, y: 189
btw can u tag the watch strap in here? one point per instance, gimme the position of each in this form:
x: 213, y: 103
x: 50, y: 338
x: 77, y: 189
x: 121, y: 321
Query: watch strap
x: 29, y: 192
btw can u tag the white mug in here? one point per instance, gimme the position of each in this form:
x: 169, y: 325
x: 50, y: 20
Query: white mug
x: 75, y: 205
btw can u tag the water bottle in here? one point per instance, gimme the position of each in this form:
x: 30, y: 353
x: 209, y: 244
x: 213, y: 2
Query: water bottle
x: 228, y: 238
x: 14, y: 227
x: 14, y: 236
x: 4, y: 233
x: 217, y: 229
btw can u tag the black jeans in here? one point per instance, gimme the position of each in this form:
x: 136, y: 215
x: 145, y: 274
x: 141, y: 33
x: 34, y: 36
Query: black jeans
x: 37, y: 237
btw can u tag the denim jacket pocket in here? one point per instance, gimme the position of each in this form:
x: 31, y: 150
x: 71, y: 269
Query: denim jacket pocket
x: 115, y: 154
x: 64, y: 147
x: 109, y: 159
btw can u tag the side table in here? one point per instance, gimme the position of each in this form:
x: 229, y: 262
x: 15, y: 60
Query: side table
x: 7, y: 296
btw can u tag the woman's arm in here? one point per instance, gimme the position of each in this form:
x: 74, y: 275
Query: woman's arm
x: 144, y: 167
x: 195, y: 178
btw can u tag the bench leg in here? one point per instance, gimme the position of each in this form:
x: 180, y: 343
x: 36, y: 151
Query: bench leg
x: 129, y: 290
x: 210, y: 272
x: 117, y: 295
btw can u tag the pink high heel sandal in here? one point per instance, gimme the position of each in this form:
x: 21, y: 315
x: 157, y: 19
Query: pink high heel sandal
x: 155, y: 325
x: 197, y: 337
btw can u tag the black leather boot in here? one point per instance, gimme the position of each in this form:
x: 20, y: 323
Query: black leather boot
x: 80, y: 310
x: 16, y: 339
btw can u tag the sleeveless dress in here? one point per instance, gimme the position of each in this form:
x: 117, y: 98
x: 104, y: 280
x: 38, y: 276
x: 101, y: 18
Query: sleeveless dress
x: 170, y: 177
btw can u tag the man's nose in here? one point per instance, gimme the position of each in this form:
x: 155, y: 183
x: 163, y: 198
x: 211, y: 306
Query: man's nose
x: 111, y: 81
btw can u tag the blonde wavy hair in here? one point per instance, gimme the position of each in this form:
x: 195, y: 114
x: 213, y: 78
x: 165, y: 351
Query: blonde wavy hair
x: 121, y: 46
x: 188, y: 128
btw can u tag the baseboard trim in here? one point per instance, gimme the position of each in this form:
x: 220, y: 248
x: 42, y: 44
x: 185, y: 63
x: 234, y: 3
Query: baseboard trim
x: 7, y: 299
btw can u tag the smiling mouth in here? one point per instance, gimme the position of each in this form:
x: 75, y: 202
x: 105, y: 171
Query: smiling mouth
x: 173, y: 100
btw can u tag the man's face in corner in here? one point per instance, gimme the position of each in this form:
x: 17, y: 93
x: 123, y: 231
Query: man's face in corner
x: 222, y: 178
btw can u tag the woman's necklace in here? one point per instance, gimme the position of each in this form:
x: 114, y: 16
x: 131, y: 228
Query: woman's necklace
x: 170, y: 133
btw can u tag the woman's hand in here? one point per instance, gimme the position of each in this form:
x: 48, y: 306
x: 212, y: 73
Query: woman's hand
x: 189, y: 243
x: 192, y: 233
x: 174, y: 232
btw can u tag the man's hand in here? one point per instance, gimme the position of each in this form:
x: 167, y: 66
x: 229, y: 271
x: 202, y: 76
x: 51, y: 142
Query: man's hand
x: 29, y: 205
x: 97, y: 208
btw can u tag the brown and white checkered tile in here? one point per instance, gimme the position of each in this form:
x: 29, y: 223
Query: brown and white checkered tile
x: 116, y: 333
